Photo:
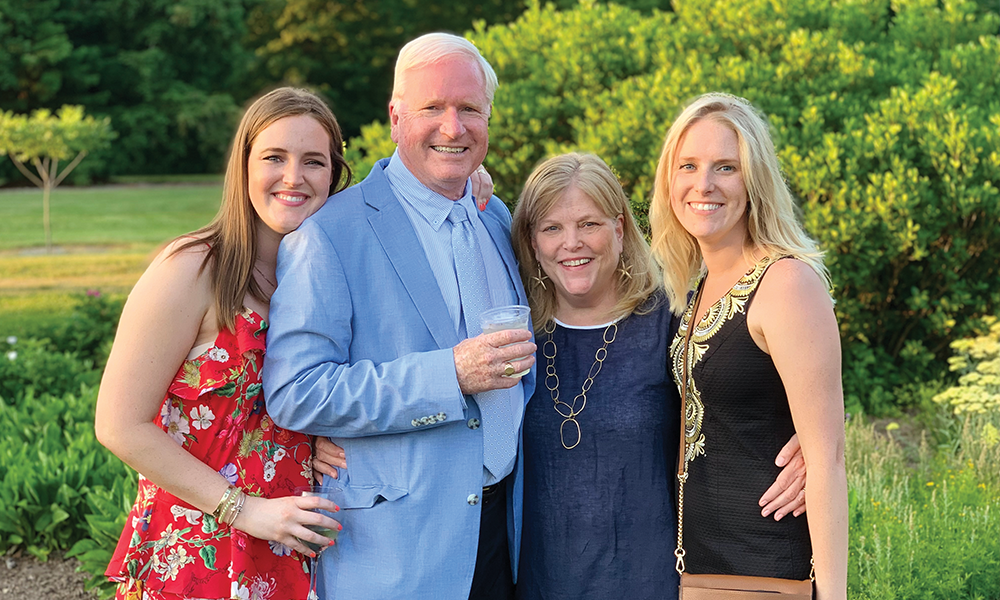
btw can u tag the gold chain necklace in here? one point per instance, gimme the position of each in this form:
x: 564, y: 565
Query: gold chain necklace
x: 569, y: 412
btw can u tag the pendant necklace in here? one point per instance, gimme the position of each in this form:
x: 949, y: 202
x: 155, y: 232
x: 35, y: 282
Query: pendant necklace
x: 569, y: 412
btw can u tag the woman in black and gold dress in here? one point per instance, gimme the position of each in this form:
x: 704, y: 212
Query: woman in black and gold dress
x: 764, y: 355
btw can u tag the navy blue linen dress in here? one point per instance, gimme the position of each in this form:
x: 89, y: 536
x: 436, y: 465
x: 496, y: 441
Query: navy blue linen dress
x: 599, y: 519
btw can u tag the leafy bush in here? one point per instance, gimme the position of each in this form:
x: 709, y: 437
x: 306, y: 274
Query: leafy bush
x: 67, y: 354
x: 50, y: 462
x: 924, y: 526
x: 977, y: 360
x: 90, y: 329
x: 885, y: 115
x: 31, y: 366
x: 107, y: 510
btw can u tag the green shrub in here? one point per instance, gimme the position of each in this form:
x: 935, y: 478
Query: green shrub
x: 107, y: 510
x: 90, y: 329
x: 886, y: 116
x: 50, y: 461
x: 31, y: 366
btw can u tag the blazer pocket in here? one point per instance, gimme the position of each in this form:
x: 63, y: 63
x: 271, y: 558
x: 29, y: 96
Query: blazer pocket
x: 368, y: 496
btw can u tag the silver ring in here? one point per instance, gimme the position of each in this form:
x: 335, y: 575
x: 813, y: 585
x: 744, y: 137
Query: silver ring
x: 508, y: 369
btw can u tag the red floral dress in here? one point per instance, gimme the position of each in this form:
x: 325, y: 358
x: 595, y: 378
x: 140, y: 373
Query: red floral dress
x: 214, y: 409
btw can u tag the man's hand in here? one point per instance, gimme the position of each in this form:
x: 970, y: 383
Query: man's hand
x: 788, y: 492
x: 480, y: 362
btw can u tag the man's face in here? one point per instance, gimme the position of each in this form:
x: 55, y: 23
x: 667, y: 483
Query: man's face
x: 440, y: 124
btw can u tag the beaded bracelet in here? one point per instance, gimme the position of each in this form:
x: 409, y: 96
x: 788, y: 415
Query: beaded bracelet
x: 232, y: 493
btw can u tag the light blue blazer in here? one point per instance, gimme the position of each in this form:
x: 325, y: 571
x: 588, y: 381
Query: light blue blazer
x: 360, y: 350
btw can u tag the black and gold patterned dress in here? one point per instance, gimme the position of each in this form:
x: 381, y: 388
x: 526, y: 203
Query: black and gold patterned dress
x: 738, y: 420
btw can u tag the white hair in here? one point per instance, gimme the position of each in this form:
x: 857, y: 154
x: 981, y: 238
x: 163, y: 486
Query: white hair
x: 433, y: 48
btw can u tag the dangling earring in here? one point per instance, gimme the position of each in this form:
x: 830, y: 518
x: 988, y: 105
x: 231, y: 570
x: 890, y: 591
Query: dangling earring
x: 540, y: 278
x: 624, y: 270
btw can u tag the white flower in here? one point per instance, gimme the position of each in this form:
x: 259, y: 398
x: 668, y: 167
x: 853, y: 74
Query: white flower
x: 12, y: 355
x: 192, y: 516
x: 307, y: 468
x: 240, y: 592
x: 218, y: 355
x: 269, y: 470
x: 168, y: 538
x: 175, y: 421
x: 262, y: 590
x: 11, y: 339
x: 176, y: 560
x: 279, y: 549
x: 279, y: 454
x: 201, y: 417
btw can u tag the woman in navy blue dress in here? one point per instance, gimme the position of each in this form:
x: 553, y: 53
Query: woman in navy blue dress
x: 601, y: 430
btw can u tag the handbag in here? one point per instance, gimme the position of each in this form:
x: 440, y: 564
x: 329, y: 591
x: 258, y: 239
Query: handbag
x: 720, y: 587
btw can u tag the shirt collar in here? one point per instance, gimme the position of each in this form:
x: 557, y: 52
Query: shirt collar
x: 430, y: 205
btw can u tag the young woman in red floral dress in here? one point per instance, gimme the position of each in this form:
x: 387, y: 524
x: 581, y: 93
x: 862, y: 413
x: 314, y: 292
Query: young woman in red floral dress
x: 181, y: 401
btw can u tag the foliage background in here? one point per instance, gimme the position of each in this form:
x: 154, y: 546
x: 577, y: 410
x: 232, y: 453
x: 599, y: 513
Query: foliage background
x: 886, y: 116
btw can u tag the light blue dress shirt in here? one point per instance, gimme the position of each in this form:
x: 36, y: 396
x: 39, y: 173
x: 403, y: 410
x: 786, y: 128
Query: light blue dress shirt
x: 428, y: 212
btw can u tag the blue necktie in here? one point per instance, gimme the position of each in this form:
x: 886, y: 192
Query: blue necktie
x: 499, y: 445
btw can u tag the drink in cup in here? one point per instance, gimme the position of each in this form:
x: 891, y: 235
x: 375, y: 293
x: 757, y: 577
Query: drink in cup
x: 506, y: 317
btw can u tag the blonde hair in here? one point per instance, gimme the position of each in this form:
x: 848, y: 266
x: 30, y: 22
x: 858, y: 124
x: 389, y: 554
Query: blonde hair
x: 232, y: 235
x: 433, y: 48
x: 771, y: 213
x: 545, y: 187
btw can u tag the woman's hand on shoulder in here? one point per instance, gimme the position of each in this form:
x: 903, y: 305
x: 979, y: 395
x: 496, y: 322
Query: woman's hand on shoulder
x: 482, y: 187
x: 287, y: 520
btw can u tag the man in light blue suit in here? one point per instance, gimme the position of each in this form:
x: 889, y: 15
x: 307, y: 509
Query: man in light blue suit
x: 374, y: 342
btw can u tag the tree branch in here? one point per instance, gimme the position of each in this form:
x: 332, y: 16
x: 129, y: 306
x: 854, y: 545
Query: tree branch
x: 42, y: 166
x: 70, y: 167
x: 24, y: 171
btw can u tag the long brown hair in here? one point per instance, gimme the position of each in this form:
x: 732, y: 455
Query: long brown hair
x: 546, y: 186
x: 232, y: 235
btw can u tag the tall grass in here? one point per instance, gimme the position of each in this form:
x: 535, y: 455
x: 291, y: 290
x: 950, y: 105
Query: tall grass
x: 925, y: 524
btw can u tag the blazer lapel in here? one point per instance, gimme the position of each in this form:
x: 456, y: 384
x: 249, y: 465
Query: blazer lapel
x: 395, y: 233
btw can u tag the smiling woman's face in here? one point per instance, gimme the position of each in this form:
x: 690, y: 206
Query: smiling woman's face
x: 708, y: 195
x: 289, y: 172
x: 578, y: 247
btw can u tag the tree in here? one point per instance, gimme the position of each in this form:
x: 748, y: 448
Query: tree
x: 44, y: 139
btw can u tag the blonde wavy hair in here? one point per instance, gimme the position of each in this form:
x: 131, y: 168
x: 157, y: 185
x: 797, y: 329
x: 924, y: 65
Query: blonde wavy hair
x: 772, y: 225
x: 545, y: 186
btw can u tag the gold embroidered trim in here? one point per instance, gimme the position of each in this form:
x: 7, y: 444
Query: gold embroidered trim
x: 732, y: 302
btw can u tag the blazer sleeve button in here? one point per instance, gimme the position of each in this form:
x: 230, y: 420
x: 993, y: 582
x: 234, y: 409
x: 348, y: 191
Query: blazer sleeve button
x: 473, y: 423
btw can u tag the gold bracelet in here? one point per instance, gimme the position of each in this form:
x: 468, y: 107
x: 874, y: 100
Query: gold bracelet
x: 227, y: 499
x: 237, y: 507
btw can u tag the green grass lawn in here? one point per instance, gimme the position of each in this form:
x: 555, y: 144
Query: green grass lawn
x: 143, y: 215
x: 104, y: 237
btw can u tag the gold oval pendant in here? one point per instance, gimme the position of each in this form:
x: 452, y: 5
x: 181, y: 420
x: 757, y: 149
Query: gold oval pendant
x: 562, y: 434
